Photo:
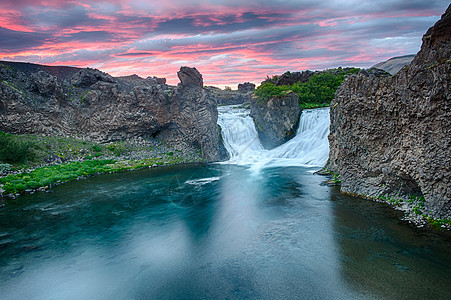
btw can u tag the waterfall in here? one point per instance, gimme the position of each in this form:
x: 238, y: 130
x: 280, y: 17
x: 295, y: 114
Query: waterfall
x: 309, y: 147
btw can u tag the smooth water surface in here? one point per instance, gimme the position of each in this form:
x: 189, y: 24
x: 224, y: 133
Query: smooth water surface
x: 216, y: 231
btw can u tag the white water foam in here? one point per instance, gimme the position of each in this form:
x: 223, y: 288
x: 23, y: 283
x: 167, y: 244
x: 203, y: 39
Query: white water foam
x: 202, y: 181
x: 309, y: 147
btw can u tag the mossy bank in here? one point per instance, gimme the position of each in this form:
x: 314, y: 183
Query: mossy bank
x: 30, y: 163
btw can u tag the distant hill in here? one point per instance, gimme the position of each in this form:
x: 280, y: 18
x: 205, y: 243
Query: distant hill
x: 394, y: 64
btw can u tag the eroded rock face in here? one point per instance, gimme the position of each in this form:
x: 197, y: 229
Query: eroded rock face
x: 392, y: 135
x: 90, y: 104
x: 194, y: 127
x: 276, y: 120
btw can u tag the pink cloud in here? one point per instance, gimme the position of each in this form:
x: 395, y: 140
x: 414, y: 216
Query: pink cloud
x: 229, y: 43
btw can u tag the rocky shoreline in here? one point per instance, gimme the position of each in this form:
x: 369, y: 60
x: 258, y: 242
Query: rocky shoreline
x: 411, y: 207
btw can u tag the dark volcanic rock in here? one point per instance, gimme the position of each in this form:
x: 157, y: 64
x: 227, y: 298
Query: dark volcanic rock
x: 161, y: 81
x: 87, y: 77
x: 195, y: 126
x: 246, y: 87
x: 230, y: 97
x: 276, y: 120
x: 93, y: 105
x: 289, y: 78
x: 190, y: 77
x: 45, y: 83
x: 392, y: 135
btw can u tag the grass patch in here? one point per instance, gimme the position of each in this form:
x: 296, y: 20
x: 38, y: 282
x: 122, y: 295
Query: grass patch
x: 55, y: 174
x: 47, y: 176
x: 14, y: 150
x: 439, y: 223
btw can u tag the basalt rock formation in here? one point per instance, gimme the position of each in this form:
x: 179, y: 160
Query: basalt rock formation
x: 276, y: 119
x: 230, y: 97
x: 90, y: 104
x: 391, y: 136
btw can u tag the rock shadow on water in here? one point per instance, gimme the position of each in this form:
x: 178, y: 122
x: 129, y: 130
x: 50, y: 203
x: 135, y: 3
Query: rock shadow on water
x: 380, y: 256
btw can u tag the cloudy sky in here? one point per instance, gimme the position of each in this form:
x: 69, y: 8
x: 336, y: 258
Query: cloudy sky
x: 228, y: 41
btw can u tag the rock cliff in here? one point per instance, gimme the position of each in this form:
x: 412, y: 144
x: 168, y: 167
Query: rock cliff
x: 91, y: 104
x: 391, y: 136
x: 276, y: 119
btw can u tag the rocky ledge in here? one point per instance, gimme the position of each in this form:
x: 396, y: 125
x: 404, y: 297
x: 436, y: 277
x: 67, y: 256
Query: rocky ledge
x: 242, y: 96
x: 390, y: 137
x: 92, y: 105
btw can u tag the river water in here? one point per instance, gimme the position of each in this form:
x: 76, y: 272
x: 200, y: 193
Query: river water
x: 261, y: 226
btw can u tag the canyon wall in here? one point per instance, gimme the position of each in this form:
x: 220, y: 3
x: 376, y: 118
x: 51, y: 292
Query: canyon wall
x: 391, y: 135
x: 90, y: 104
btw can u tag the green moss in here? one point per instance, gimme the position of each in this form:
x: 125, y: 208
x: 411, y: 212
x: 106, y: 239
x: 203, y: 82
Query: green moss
x: 439, y: 223
x: 55, y: 174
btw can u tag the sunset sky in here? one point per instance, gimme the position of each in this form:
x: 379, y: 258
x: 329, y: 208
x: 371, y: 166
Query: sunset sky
x: 228, y: 41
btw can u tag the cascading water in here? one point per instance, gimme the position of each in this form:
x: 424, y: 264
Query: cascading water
x: 309, y: 147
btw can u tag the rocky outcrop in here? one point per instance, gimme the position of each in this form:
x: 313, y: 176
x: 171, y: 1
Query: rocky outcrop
x: 391, y: 136
x: 246, y: 87
x: 190, y: 77
x: 276, y: 119
x: 93, y: 105
x: 87, y: 77
x: 230, y: 97
x: 394, y: 64
x: 196, y: 118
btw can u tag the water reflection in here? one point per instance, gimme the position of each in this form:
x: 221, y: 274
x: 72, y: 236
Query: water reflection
x: 217, y: 231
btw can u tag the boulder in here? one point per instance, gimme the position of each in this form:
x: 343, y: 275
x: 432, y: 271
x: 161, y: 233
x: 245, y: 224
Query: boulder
x: 87, y: 77
x: 190, y: 77
x: 246, y: 87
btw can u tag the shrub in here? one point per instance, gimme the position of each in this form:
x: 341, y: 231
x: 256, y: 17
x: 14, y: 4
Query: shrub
x: 13, y: 150
x: 96, y: 148
x: 319, y: 90
x: 117, y: 148
x: 268, y: 90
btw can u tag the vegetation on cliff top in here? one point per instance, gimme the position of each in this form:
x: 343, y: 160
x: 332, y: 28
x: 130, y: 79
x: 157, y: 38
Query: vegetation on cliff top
x: 318, y: 91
